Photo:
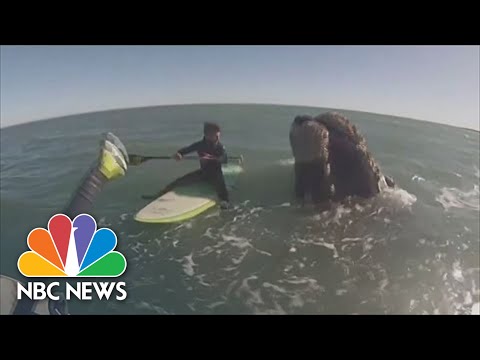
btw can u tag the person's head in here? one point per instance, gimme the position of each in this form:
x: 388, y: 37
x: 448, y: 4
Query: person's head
x: 211, y: 131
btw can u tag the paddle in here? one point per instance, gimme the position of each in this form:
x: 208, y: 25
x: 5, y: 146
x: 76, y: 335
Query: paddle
x: 139, y: 159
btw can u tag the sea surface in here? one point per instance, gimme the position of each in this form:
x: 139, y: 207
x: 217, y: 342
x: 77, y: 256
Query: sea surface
x: 413, y: 250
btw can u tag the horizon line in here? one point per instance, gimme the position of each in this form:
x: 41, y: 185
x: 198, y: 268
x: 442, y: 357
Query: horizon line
x: 232, y: 103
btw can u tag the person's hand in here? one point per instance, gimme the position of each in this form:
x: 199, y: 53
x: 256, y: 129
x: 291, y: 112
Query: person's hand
x: 178, y: 156
x: 208, y: 157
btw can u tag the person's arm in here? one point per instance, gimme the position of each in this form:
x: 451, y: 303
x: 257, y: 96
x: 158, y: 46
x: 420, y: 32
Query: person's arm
x: 220, y: 155
x: 223, y: 157
x: 189, y: 149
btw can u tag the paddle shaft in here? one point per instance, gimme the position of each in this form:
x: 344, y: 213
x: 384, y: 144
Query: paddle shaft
x: 138, y: 159
x: 144, y: 158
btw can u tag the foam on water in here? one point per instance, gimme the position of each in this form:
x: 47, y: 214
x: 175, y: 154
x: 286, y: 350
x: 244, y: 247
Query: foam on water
x: 456, y: 198
x: 457, y: 272
x: 352, y: 239
x: 143, y: 305
x: 286, y: 162
x: 398, y: 198
x: 417, y: 178
x: 188, y: 265
x: 476, y: 309
x: 136, y: 235
x: 317, y: 242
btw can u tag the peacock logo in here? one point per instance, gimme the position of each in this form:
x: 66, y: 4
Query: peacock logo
x: 72, y: 249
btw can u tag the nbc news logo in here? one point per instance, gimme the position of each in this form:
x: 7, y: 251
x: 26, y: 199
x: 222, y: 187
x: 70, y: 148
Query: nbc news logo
x: 72, y: 249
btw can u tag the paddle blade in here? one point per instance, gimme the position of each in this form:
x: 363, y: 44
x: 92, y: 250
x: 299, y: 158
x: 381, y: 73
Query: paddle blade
x: 136, y: 159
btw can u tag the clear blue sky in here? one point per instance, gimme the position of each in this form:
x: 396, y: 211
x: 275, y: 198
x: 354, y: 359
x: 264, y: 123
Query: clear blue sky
x: 434, y: 83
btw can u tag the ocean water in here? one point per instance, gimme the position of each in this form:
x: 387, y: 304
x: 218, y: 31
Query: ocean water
x: 413, y: 250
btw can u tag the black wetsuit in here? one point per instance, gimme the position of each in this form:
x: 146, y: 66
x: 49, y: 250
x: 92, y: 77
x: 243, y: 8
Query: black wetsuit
x: 204, y: 147
x: 210, y: 170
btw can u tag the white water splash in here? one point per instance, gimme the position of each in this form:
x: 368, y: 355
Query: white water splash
x: 202, y: 282
x: 253, y: 296
x: 274, y: 287
x: 287, y: 204
x: 457, y: 272
x: 188, y: 265
x: 455, y: 198
x: 143, y: 305
x: 135, y: 235
x: 468, y: 298
x: 286, y: 162
x: 417, y: 178
x: 296, y: 301
x: 238, y: 260
x: 383, y: 284
x: 215, y: 304
x: 340, y: 211
x: 208, y: 233
x: 351, y: 239
x: 321, y: 243
x: 398, y: 197
x: 359, y: 208
x: 214, y: 214
x: 476, y: 309
x: 263, y: 252
x: 103, y: 222
x: 237, y: 241
x: 413, y: 304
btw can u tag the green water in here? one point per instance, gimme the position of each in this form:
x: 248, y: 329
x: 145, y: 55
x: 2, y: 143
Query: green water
x: 414, y: 250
